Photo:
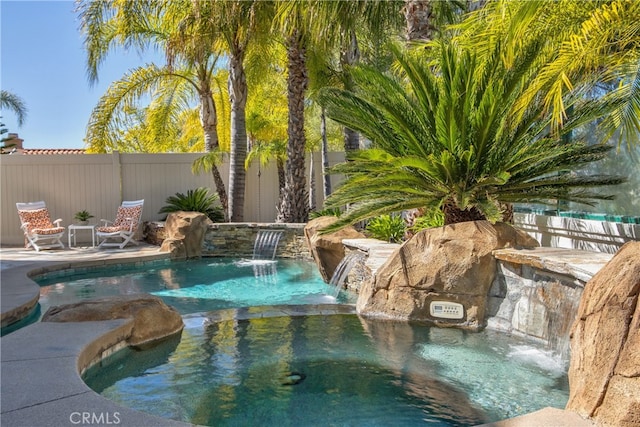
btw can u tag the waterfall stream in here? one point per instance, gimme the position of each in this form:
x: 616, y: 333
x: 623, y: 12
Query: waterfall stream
x: 342, y: 270
x: 266, y: 244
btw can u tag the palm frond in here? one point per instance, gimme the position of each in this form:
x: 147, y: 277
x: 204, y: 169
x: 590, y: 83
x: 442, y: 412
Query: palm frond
x: 446, y: 129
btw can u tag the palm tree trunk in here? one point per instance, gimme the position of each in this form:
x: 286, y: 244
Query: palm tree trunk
x: 350, y: 55
x: 282, y: 180
x: 293, y: 205
x: 418, y: 13
x: 237, y: 174
x: 222, y: 193
x: 507, y: 212
x: 209, y: 122
x: 453, y: 214
x: 326, y: 178
x: 312, y: 184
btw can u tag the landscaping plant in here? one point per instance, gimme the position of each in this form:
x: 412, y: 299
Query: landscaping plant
x: 325, y: 212
x: 198, y: 200
x: 447, y: 133
x: 389, y: 228
x: 82, y: 216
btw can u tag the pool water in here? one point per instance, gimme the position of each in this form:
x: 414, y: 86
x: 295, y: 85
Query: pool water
x: 333, y: 370
x: 197, y: 285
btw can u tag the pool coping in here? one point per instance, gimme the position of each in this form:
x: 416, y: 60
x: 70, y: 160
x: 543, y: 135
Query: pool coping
x: 19, y: 293
x: 41, y: 364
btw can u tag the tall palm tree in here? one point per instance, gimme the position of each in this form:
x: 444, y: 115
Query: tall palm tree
x: 447, y: 139
x: 290, y: 20
x: 151, y: 22
x: 233, y: 26
x: 14, y: 103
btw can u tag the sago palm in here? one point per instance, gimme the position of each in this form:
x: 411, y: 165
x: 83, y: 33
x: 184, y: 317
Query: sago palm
x: 198, y: 200
x: 444, y: 136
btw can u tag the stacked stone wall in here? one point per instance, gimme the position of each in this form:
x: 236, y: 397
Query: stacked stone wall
x: 236, y: 240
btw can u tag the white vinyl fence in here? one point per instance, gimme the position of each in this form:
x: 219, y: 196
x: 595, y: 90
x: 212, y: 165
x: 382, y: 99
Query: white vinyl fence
x: 99, y: 182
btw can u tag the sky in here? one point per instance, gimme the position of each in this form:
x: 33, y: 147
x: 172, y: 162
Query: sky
x: 42, y: 60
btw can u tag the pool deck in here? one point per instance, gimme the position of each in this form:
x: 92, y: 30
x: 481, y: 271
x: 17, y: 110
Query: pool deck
x: 41, y: 363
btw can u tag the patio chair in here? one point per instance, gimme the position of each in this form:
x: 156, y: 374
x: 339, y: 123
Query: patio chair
x: 123, y: 228
x: 39, y: 231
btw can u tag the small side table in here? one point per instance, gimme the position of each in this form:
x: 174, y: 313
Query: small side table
x: 73, y: 231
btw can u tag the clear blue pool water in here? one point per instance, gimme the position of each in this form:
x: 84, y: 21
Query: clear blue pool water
x: 338, y: 370
x: 196, y: 285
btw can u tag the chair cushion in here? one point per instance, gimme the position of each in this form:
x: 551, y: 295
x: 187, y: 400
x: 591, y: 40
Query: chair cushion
x: 113, y: 229
x: 47, y: 231
x: 126, y: 215
x: 37, y: 219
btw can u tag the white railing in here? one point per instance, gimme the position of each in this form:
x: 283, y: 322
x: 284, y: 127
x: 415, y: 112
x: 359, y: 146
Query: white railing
x: 577, y: 233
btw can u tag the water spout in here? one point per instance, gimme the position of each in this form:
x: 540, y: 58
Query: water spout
x: 546, y: 311
x: 266, y: 244
x: 342, y: 270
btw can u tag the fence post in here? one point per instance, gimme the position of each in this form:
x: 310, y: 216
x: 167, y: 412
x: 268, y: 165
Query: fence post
x: 116, y: 175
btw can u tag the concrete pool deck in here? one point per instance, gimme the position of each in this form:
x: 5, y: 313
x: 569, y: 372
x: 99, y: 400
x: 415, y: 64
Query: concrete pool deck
x: 41, y: 363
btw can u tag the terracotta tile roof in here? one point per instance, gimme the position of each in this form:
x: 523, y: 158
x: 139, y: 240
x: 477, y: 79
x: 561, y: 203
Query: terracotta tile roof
x: 53, y: 151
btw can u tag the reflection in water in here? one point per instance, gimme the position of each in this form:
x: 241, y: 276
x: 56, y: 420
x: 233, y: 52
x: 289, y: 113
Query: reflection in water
x: 355, y: 372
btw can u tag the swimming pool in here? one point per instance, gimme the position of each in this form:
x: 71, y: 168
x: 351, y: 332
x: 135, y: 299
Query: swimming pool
x: 333, y: 370
x: 196, y: 285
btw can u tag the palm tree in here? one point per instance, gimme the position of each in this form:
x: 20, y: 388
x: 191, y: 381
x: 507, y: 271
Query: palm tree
x: 290, y: 21
x: 172, y: 91
x: 267, y: 121
x: 153, y: 129
x: 295, y: 20
x: 445, y: 138
x: 144, y: 23
x: 233, y: 27
x: 589, y: 46
x: 351, y: 21
x: 425, y: 19
x: 14, y: 103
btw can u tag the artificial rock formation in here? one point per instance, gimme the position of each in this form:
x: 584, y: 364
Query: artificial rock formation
x: 327, y: 250
x: 185, y: 234
x: 451, y: 263
x: 153, y: 319
x: 604, y: 372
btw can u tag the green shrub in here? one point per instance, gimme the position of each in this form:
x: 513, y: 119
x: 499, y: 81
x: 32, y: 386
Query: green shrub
x: 325, y: 212
x: 431, y: 219
x: 198, y: 200
x: 390, y: 228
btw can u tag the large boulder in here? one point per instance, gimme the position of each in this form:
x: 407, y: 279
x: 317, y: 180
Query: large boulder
x: 453, y: 263
x: 153, y: 319
x: 604, y: 371
x: 327, y: 250
x: 185, y: 233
